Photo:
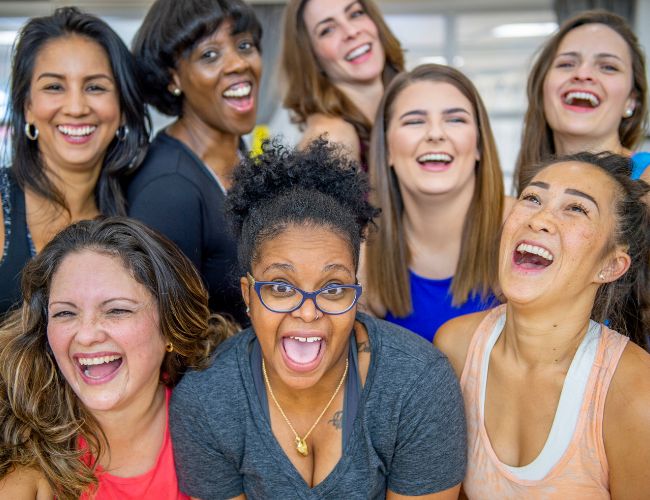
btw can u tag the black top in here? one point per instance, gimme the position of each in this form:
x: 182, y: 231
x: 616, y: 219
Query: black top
x: 175, y: 193
x: 18, y: 249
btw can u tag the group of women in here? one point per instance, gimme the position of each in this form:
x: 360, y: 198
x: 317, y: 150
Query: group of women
x: 117, y: 380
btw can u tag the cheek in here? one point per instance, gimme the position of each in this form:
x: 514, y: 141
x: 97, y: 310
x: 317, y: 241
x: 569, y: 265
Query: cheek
x: 325, y: 51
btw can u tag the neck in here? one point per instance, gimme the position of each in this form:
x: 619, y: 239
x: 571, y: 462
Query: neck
x: 217, y: 149
x: 434, y: 226
x: 570, y: 144
x: 543, y: 336
x: 366, y: 97
x: 127, y: 427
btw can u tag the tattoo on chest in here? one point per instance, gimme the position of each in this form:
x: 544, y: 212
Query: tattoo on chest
x: 337, y: 420
x: 363, y: 346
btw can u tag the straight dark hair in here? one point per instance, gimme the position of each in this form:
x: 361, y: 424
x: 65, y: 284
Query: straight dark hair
x: 122, y: 155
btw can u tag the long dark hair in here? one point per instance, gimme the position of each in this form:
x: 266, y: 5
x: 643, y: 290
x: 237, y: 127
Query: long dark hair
x: 121, y: 155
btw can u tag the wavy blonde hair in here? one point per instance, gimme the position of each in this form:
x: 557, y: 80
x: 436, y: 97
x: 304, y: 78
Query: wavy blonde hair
x: 40, y: 415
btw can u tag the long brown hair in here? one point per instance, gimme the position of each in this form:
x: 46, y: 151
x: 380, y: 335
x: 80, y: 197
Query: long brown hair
x: 388, y: 255
x: 309, y: 91
x: 537, y: 137
x: 41, y: 418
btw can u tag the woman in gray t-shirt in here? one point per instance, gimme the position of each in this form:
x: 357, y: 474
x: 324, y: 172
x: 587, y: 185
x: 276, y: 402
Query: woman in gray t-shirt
x: 315, y: 399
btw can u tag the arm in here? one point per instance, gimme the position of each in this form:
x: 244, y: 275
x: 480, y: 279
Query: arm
x: 172, y: 206
x: 626, y: 426
x: 454, y: 336
x: 335, y: 130
x: 25, y: 484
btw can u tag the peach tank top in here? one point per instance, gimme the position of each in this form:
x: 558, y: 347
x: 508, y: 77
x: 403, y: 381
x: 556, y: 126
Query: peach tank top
x: 581, y: 471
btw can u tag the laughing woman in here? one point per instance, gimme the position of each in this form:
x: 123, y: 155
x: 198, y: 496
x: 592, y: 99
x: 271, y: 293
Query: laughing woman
x: 557, y: 403
x: 314, y: 400
x: 201, y: 63
x: 338, y: 56
x: 79, y: 124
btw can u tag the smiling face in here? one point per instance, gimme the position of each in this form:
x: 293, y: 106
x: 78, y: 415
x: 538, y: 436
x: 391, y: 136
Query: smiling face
x: 303, y: 346
x: 556, y: 241
x: 432, y: 139
x: 104, y: 331
x: 220, y: 81
x: 345, y: 41
x: 588, y: 87
x: 74, y: 103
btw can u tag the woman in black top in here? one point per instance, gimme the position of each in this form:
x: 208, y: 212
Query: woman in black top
x: 201, y: 63
x: 79, y: 124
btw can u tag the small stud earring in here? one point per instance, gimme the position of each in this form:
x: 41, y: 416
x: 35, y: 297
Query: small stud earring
x: 177, y: 92
x: 169, y: 347
x: 628, y: 112
x: 248, y: 309
x: 601, y: 276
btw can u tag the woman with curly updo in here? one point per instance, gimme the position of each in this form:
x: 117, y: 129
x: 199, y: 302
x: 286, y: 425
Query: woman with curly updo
x: 113, y: 314
x: 315, y: 400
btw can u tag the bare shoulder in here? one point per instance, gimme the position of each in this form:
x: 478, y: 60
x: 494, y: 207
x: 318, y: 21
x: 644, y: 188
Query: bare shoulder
x: 25, y: 483
x: 334, y: 129
x: 454, y: 336
x: 626, y: 423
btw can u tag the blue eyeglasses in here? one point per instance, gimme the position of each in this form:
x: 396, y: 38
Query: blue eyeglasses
x: 281, y: 297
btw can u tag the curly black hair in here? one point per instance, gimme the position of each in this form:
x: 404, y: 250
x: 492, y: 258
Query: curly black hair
x: 318, y: 186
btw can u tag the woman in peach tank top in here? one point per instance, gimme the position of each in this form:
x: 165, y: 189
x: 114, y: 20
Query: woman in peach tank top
x: 557, y: 403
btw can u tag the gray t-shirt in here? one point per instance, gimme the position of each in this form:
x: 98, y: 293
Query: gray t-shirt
x: 408, y: 435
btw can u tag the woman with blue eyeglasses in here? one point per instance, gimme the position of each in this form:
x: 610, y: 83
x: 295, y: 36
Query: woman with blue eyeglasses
x: 315, y: 400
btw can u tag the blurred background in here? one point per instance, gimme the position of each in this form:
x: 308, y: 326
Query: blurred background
x: 492, y: 41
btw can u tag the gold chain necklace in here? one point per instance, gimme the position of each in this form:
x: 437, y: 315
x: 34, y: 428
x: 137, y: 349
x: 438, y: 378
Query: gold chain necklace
x: 301, y: 443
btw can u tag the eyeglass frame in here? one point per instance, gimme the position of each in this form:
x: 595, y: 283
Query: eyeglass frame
x: 257, y: 286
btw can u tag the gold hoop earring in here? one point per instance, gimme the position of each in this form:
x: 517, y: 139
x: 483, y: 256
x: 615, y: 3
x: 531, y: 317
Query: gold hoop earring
x: 169, y: 347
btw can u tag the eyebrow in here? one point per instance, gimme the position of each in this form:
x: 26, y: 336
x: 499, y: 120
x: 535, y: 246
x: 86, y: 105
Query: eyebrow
x: 575, y: 192
x: 103, y: 303
x: 337, y: 267
x: 600, y: 55
x: 421, y: 112
x: 328, y: 19
x: 62, y: 77
x: 290, y: 268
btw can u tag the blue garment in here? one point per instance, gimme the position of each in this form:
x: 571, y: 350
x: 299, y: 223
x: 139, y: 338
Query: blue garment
x: 640, y: 161
x: 431, y: 306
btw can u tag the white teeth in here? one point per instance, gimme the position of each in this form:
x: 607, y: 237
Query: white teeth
x: 435, y: 157
x: 542, y: 252
x: 583, y: 96
x: 307, y: 339
x: 359, y: 51
x: 98, y: 361
x: 76, y: 131
x: 239, y: 90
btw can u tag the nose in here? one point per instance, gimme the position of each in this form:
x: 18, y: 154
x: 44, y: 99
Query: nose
x: 582, y: 72
x: 76, y: 103
x: 308, y: 311
x: 350, y: 29
x: 89, y: 331
x: 435, y: 132
x: 543, y: 221
x: 235, y: 62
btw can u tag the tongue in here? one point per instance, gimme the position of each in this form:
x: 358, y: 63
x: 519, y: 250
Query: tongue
x: 103, y: 370
x: 301, y: 352
x: 531, y: 260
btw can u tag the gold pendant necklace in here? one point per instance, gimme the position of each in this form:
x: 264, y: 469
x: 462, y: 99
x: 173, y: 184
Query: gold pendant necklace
x: 301, y: 443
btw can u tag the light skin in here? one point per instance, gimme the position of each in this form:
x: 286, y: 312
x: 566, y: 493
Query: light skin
x: 96, y: 308
x: 309, y: 258
x: 74, y: 103
x: 595, y: 59
x: 212, y: 123
x: 338, y: 30
x: 433, y: 118
x: 568, y: 210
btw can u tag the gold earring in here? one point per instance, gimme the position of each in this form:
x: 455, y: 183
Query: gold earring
x: 169, y: 347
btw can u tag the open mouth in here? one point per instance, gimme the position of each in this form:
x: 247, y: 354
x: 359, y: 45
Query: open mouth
x: 240, y: 96
x: 439, y: 158
x: 581, y: 99
x: 76, y: 132
x: 358, y: 52
x: 532, y: 256
x: 99, y: 367
x: 302, y: 350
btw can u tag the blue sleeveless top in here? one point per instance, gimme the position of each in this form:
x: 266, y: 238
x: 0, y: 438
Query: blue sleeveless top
x: 640, y: 161
x: 431, y: 304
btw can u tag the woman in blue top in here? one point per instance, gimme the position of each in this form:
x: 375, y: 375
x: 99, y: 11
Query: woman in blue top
x: 586, y: 92
x: 436, y: 176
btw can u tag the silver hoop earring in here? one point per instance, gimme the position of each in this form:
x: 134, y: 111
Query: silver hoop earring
x: 31, y: 131
x: 122, y: 132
